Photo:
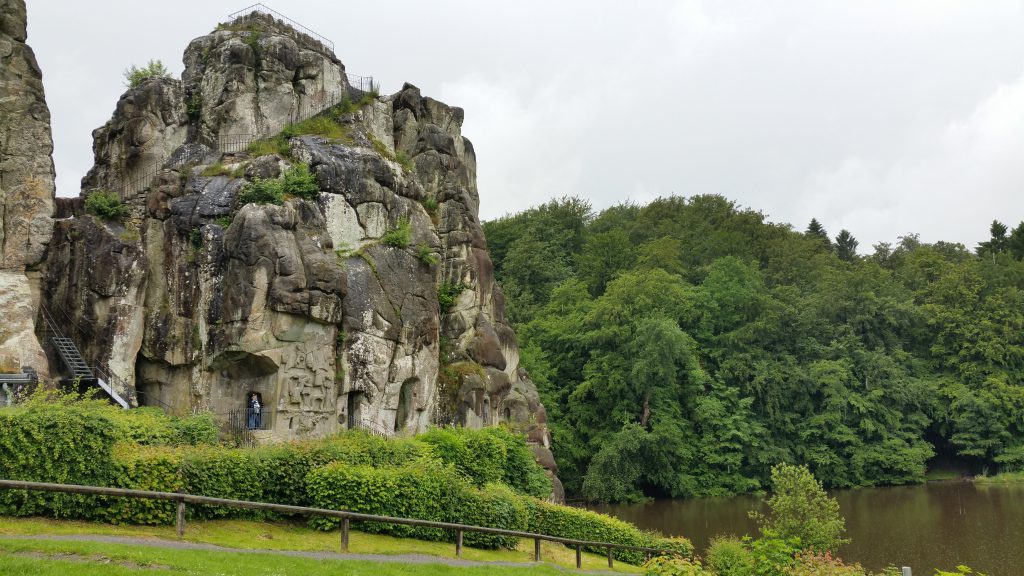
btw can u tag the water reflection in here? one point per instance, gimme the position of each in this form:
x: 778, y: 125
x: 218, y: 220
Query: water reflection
x: 927, y: 526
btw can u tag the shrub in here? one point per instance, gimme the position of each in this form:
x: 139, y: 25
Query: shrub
x: 133, y: 75
x: 224, y: 473
x: 426, y: 255
x: 799, y: 508
x: 430, y: 204
x: 155, y: 468
x: 675, y: 566
x: 812, y: 564
x: 261, y: 191
x: 447, y: 294
x: 477, y: 455
x: 54, y: 439
x: 299, y: 182
x: 195, y: 429
x: 496, y: 506
x: 405, y: 161
x: 727, y: 556
x: 579, y: 524
x: 426, y: 490
x: 399, y: 236
x: 106, y: 205
x: 521, y: 471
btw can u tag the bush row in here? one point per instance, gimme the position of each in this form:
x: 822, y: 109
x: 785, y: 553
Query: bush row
x: 425, y: 490
x: 481, y: 477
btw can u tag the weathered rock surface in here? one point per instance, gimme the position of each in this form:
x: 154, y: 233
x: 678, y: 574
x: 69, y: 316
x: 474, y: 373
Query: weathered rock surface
x: 197, y: 301
x: 26, y: 189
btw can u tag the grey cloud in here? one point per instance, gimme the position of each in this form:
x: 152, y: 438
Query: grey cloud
x: 881, y: 117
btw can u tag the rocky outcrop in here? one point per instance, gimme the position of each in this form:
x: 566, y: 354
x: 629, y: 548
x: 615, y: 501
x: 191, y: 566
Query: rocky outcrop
x: 26, y: 190
x: 326, y: 306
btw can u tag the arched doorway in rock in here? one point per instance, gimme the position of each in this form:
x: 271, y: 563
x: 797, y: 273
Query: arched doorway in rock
x: 486, y: 412
x: 507, y: 414
x: 406, y: 400
x: 354, y: 407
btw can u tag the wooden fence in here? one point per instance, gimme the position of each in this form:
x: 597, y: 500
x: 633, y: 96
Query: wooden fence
x: 345, y: 516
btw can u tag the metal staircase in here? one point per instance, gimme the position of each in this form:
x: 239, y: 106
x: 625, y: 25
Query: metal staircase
x: 72, y: 358
x: 73, y: 361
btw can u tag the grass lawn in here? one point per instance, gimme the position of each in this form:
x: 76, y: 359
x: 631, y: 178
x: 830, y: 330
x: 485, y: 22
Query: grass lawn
x: 40, y: 558
x: 284, y: 536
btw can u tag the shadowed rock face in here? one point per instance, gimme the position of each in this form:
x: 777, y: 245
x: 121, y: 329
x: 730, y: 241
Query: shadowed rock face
x: 26, y: 190
x: 196, y: 302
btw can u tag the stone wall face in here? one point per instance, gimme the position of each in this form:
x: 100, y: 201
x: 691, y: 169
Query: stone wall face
x: 26, y: 190
x: 196, y: 302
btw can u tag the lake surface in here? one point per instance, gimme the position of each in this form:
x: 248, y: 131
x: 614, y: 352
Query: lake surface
x: 928, y: 526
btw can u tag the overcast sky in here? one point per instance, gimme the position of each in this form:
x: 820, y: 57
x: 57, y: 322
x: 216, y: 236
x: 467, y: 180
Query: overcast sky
x: 883, y: 117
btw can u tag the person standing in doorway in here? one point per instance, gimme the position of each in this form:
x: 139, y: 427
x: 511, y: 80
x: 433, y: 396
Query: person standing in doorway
x: 254, y: 412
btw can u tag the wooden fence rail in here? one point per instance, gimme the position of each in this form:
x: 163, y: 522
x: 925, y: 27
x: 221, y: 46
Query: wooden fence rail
x: 344, y: 515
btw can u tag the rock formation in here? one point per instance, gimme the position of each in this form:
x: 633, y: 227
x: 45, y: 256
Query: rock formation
x: 330, y: 307
x: 26, y: 190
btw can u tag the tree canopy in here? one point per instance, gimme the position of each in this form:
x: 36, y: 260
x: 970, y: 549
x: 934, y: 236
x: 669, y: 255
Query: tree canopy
x: 686, y: 346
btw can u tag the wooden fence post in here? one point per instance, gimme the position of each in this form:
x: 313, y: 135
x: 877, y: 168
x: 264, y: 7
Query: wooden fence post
x: 536, y: 549
x: 179, y: 519
x: 458, y: 543
x: 344, y: 534
x: 579, y: 557
x: 610, y: 557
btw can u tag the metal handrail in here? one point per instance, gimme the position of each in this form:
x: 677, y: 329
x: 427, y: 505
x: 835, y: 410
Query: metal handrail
x: 344, y: 515
x: 260, y: 8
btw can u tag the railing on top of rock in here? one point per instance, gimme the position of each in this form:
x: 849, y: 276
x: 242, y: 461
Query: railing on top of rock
x: 230, y: 143
x: 261, y: 9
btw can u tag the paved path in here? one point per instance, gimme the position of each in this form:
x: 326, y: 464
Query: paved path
x: 185, y: 545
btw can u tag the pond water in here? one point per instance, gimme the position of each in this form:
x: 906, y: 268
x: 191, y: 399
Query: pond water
x: 928, y: 526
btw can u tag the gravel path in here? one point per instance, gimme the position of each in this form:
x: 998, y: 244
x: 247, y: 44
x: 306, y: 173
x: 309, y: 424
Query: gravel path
x: 184, y: 545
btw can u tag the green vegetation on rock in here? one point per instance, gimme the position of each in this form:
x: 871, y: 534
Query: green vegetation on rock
x: 105, y: 204
x: 134, y: 76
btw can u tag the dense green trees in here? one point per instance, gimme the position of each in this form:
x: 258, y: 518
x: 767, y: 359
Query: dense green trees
x: 686, y: 346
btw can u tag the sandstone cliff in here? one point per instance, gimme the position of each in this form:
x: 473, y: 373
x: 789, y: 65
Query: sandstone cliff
x: 195, y: 300
x: 26, y: 190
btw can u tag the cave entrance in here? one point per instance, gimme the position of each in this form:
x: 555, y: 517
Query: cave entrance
x: 354, y: 406
x: 406, y: 396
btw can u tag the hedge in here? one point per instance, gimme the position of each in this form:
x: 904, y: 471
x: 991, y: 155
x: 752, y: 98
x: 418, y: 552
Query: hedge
x: 156, y: 468
x: 424, y: 490
x: 475, y: 477
x: 579, y: 524
x: 490, y: 455
x: 53, y: 443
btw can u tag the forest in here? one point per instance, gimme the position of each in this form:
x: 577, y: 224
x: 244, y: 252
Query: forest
x: 684, y: 347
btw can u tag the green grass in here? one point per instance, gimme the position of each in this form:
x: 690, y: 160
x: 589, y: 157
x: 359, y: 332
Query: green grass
x: 276, y: 145
x: 941, y: 475
x: 1002, y: 478
x: 243, y: 534
x: 43, y: 558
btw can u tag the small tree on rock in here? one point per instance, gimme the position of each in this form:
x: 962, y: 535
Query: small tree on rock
x: 133, y: 76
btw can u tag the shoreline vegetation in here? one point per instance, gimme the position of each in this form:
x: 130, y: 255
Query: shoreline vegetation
x: 683, y: 347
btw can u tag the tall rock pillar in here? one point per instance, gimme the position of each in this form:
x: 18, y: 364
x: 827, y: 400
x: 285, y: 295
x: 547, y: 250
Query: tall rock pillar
x: 26, y: 191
